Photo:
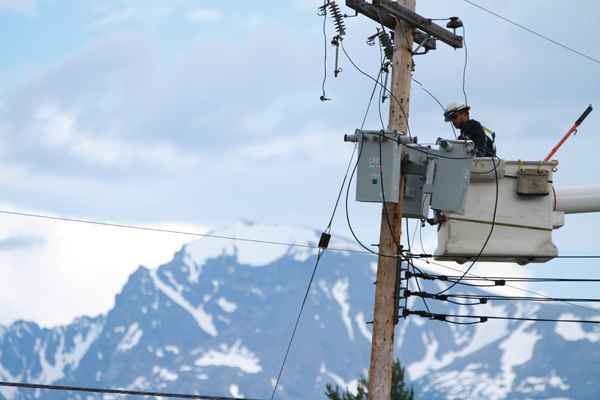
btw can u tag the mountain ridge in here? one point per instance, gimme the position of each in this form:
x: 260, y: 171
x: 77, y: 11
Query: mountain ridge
x: 216, y: 321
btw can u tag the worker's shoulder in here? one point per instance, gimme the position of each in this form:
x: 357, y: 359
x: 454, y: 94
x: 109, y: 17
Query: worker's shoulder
x: 472, y: 124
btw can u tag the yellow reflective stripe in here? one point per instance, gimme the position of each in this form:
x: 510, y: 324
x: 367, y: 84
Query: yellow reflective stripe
x: 489, y: 131
x: 498, y: 224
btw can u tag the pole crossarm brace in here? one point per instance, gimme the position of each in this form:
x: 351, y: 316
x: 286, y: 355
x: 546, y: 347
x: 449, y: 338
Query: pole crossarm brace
x: 415, y: 20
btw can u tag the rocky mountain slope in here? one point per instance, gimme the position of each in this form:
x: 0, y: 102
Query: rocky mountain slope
x: 217, y: 320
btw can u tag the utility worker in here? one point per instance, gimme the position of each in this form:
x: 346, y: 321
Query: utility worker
x: 470, y: 129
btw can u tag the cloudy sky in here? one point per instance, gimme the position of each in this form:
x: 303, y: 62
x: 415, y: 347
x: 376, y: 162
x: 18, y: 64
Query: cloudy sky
x: 194, y: 114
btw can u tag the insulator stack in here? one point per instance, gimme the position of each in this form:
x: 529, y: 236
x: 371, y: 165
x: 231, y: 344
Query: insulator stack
x: 387, y: 45
x: 337, y: 17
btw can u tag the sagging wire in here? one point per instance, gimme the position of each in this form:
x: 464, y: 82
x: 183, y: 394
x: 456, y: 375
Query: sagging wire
x: 499, y: 281
x: 408, y: 275
x: 111, y: 391
x: 385, y: 67
x: 348, y: 215
x: 428, y: 92
x: 535, y: 33
x: 323, y: 13
x: 382, y: 36
x: 321, y: 251
x: 466, y: 58
x: 350, y: 163
x: 385, y: 208
x: 377, y: 82
x: 485, y: 299
x: 341, y: 30
x: 371, y: 99
x: 459, y: 281
x: 444, y: 318
x: 489, y: 235
x: 352, y: 157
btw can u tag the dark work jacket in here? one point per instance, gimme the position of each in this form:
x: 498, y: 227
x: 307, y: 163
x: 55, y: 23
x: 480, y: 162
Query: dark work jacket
x: 472, y: 130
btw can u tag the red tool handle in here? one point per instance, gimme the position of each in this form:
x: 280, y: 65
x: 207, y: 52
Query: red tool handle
x: 577, y: 123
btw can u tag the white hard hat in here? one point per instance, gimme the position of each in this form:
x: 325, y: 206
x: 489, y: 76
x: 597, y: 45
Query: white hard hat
x: 454, y: 107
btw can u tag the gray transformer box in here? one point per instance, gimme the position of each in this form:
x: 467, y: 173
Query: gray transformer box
x: 452, y: 175
x: 378, y: 181
x: 418, y: 171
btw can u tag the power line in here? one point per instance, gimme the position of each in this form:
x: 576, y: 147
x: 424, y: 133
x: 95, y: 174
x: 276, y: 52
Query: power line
x: 513, y: 287
x: 172, y: 231
x: 321, y: 251
x: 535, y: 33
x: 113, y: 391
x: 443, y: 317
x: 306, y: 246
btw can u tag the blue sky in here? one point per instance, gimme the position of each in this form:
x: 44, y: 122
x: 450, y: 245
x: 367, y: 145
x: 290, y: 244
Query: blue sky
x: 192, y: 115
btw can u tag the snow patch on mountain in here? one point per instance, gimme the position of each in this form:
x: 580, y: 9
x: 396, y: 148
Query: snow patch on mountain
x: 351, y: 385
x: 204, y: 319
x: 131, y: 338
x: 573, y: 331
x: 62, y: 359
x: 518, y: 350
x: 340, y: 294
x: 9, y: 392
x: 164, y: 373
x: 193, y: 269
x: 237, y: 356
x: 362, y: 326
x: 484, y: 335
x: 227, y: 306
x: 534, y: 385
x: 235, y: 391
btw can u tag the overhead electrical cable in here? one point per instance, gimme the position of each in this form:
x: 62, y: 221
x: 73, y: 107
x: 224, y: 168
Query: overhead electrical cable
x: 535, y: 33
x: 321, y: 251
x: 443, y: 317
x: 465, y: 67
x: 113, y: 391
x: 501, y: 278
x: 323, y: 98
x: 306, y: 246
x: 489, y: 235
x: 377, y: 82
x: 425, y: 255
x: 511, y: 286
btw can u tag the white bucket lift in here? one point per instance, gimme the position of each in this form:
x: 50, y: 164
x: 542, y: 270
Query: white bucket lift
x: 519, y: 231
x: 486, y: 208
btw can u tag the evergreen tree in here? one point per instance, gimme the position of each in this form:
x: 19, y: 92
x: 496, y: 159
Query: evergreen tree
x: 399, y: 390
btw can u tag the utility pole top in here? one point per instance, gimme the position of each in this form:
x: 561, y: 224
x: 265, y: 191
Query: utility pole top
x: 385, y: 12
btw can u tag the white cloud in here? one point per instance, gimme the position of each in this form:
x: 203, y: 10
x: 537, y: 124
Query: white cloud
x: 203, y: 15
x: 113, y: 18
x: 69, y: 269
x: 59, y: 129
x: 27, y: 7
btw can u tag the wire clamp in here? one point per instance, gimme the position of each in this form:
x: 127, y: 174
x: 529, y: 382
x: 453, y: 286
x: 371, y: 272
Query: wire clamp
x: 324, y: 241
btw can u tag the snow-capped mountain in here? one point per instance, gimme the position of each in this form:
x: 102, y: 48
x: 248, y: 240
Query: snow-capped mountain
x: 217, y: 320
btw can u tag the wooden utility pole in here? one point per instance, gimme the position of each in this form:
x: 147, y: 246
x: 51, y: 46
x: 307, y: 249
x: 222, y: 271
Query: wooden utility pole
x: 382, y: 348
x: 401, y: 17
